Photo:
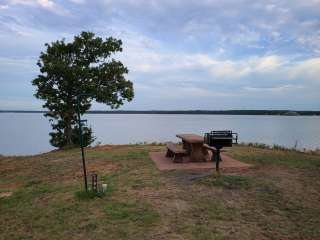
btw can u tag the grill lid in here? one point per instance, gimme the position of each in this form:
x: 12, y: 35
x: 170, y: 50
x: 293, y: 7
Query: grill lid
x: 221, y: 139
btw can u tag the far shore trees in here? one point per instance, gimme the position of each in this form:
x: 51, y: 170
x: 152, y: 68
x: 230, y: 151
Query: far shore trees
x: 81, y: 70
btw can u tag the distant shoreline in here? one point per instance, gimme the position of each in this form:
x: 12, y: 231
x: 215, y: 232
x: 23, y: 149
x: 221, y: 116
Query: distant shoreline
x: 194, y: 112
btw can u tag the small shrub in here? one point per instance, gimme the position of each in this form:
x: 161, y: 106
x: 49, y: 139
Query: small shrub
x: 279, y: 147
x: 257, y: 145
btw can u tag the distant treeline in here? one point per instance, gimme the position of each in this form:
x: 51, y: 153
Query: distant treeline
x: 195, y: 112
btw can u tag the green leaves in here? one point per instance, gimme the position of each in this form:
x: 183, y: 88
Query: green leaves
x: 82, y: 67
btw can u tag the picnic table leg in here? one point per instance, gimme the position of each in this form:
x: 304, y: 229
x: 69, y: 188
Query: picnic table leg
x: 197, y: 154
x: 205, y: 153
x: 213, y: 156
x: 186, y: 146
x: 169, y: 153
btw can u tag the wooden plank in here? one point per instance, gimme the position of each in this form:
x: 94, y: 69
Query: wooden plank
x: 191, y: 138
x: 175, y: 148
x: 176, y: 151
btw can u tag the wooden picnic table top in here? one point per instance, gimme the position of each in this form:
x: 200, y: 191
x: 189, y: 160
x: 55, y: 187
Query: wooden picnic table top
x: 191, y: 138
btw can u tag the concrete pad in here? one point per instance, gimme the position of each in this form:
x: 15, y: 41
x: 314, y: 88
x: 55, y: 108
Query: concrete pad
x: 227, y: 163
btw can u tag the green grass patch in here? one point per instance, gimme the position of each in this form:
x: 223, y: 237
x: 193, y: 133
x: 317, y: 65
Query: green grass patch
x: 23, y: 197
x: 231, y: 182
x: 268, y: 192
x: 276, y: 157
x: 214, y: 209
x: 130, y: 155
x: 138, y: 212
x: 88, y: 195
x: 137, y: 153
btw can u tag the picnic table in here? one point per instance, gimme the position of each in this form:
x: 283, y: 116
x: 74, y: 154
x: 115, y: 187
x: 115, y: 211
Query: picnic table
x: 193, y: 144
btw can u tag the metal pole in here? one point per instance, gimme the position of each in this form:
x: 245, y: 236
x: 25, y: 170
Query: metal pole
x: 94, y: 186
x: 82, y: 150
x: 218, y: 160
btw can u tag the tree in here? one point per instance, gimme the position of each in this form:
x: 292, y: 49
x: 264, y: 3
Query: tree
x: 81, y: 70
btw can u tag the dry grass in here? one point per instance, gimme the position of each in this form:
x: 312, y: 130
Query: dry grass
x: 277, y: 199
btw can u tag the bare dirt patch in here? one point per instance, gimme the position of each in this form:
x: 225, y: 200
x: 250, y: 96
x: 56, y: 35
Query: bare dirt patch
x: 5, y: 194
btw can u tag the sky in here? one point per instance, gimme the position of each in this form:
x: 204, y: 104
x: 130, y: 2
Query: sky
x: 181, y: 54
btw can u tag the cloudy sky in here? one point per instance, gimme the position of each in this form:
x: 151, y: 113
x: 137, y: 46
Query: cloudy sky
x: 182, y: 54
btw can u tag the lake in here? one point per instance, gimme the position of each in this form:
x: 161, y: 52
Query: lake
x: 27, y: 133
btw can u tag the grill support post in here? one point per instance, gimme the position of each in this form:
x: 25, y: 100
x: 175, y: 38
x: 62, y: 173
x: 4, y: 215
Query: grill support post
x: 218, y: 160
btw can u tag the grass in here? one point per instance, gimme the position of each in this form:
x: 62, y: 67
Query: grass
x: 280, y: 147
x: 227, y: 181
x: 88, y: 195
x: 276, y: 157
x: 277, y: 199
x: 140, y: 212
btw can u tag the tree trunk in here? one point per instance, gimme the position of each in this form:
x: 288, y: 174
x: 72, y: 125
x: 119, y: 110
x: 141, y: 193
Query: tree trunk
x: 68, y: 134
x: 67, y: 120
x: 68, y: 129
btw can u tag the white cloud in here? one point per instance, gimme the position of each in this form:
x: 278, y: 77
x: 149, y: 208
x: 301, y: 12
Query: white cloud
x: 307, y: 69
x: 155, y: 60
x: 78, y: 1
x: 2, y: 7
x: 267, y: 64
x: 182, y: 91
x: 277, y: 89
x: 45, y: 4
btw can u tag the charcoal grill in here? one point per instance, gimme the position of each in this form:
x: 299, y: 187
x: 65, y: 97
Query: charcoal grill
x: 216, y: 140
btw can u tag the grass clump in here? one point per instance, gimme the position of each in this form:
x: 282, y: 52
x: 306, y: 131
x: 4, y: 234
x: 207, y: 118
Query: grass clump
x: 231, y: 182
x: 88, y: 195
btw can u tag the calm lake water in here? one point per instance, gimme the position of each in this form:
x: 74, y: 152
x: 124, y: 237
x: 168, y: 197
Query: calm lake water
x: 24, y: 133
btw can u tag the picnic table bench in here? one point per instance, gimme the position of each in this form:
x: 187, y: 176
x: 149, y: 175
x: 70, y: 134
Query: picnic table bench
x: 176, y: 151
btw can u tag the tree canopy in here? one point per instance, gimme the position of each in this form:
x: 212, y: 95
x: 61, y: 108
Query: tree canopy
x: 83, y: 70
